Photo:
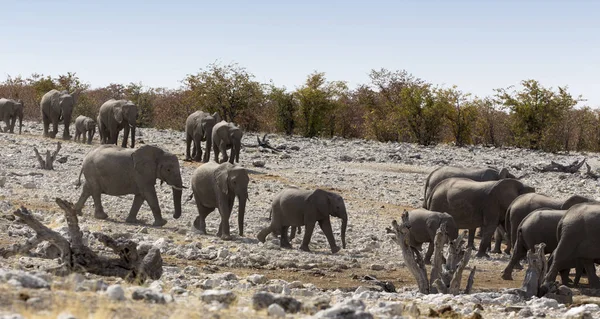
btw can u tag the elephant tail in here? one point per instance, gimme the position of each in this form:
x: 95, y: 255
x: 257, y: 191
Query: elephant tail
x: 79, y: 178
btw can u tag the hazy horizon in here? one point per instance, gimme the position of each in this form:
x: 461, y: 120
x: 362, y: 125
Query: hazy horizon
x: 477, y: 45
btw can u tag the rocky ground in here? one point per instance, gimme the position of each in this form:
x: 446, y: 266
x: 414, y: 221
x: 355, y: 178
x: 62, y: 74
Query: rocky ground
x: 205, y: 276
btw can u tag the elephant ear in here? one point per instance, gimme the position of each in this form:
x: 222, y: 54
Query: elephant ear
x: 118, y: 112
x: 322, y: 201
x: 222, y: 178
x: 145, y: 161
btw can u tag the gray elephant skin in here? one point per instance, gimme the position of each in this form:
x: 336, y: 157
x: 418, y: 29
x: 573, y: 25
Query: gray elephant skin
x: 57, y: 107
x: 114, y: 116
x: 198, y: 128
x: 226, y: 135
x: 537, y: 227
x: 10, y: 110
x: 527, y: 203
x: 298, y: 207
x: 475, y: 204
x: 476, y: 174
x: 578, y: 242
x: 84, y: 125
x: 424, y: 225
x: 118, y: 171
x: 216, y: 186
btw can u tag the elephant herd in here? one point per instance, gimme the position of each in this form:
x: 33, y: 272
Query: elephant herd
x: 500, y: 204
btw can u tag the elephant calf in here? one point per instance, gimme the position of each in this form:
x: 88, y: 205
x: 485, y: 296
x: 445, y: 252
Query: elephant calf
x: 424, y: 225
x: 297, y: 207
x: 216, y: 186
x: 116, y: 171
x: 83, y: 125
x: 10, y: 110
x: 225, y: 135
x: 198, y: 128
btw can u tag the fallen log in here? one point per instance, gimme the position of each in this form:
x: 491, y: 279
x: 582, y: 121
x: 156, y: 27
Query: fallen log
x: 47, y: 164
x: 590, y: 174
x: 557, y: 167
x: 131, y: 265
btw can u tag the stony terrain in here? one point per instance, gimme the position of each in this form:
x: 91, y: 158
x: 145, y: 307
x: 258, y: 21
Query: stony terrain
x: 205, y: 276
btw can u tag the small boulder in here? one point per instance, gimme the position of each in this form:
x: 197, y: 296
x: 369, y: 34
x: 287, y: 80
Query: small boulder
x: 276, y: 310
x: 115, y: 292
x: 222, y: 296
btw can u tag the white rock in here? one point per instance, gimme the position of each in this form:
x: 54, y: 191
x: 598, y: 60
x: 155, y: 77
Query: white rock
x: 222, y: 296
x: 223, y: 253
x: 115, y: 292
x: 583, y: 312
x: 257, y: 279
x: 65, y: 315
x: 276, y: 310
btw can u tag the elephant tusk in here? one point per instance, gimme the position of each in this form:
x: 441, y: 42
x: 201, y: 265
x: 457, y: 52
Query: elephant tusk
x: 178, y: 188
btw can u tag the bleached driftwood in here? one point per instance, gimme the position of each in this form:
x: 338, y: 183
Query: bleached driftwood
x: 50, y: 157
x: 76, y: 257
x: 444, y: 277
x: 556, y: 167
x: 265, y: 144
x: 591, y: 174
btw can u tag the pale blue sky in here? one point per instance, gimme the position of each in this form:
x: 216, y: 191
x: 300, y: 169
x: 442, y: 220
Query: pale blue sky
x: 477, y: 45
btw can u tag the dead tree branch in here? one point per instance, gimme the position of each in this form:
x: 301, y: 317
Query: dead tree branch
x: 76, y: 257
x: 412, y: 257
x: 48, y: 163
x: 265, y: 144
x: 556, y: 167
x: 591, y: 174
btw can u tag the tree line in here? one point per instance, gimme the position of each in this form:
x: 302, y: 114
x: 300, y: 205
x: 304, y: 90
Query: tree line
x: 393, y: 106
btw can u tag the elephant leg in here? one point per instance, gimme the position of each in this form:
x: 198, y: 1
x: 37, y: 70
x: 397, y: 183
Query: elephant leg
x: 113, y: 135
x: 293, y: 232
x: 325, y: 225
x: 152, y: 200
x: 578, y: 273
x: 85, y: 194
x: 225, y: 211
x: 564, y: 276
x: 188, y: 142
x: 486, y: 240
x: 206, y: 157
x: 98, y: 210
x: 200, y: 221
x: 590, y: 269
x: 285, y: 241
x: 198, y: 151
x: 54, y: 129
x: 216, y: 151
x: 519, y: 252
x: 66, y: 134
x: 138, y: 200
x: 497, y: 241
x: 223, y: 149
x: 307, y: 236
x: 471, y: 239
x: 429, y: 253
x: 90, y: 136
x: 125, y: 136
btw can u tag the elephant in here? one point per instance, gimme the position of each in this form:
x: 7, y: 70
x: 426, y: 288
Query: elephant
x: 578, y: 242
x: 198, y: 128
x: 299, y: 207
x: 56, y: 107
x: 116, y: 171
x: 83, y: 125
x: 424, y: 225
x: 476, y: 174
x: 475, y: 204
x: 225, y: 135
x: 10, y: 110
x: 216, y: 186
x: 114, y: 116
x: 527, y: 203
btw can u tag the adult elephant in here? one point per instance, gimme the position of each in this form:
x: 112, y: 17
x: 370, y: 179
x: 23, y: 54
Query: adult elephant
x: 475, y: 204
x: 476, y: 174
x: 424, y: 225
x: 527, y: 203
x: 117, y: 171
x: 10, y: 110
x: 538, y: 227
x: 298, y: 207
x: 56, y: 107
x: 114, y: 116
x: 198, y: 128
x: 578, y: 242
x: 226, y: 135
x: 216, y: 186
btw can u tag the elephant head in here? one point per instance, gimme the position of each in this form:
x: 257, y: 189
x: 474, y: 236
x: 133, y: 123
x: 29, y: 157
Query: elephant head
x: 331, y: 204
x: 64, y: 106
x: 573, y: 200
x: 506, y: 190
x: 233, y: 181
x: 151, y: 162
x: 127, y: 111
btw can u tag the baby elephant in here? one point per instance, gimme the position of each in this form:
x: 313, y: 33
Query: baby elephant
x: 297, y: 207
x: 83, y: 125
x: 424, y: 225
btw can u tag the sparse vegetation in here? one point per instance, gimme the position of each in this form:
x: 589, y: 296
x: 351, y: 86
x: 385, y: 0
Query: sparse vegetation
x: 394, y: 106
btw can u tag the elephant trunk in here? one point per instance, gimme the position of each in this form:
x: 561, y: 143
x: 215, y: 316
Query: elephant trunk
x: 242, y: 203
x: 208, y: 138
x: 237, y: 145
x: 132, y: 136
x: 177, y: 202
x: 20, y: 122
x: 343, y: 234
